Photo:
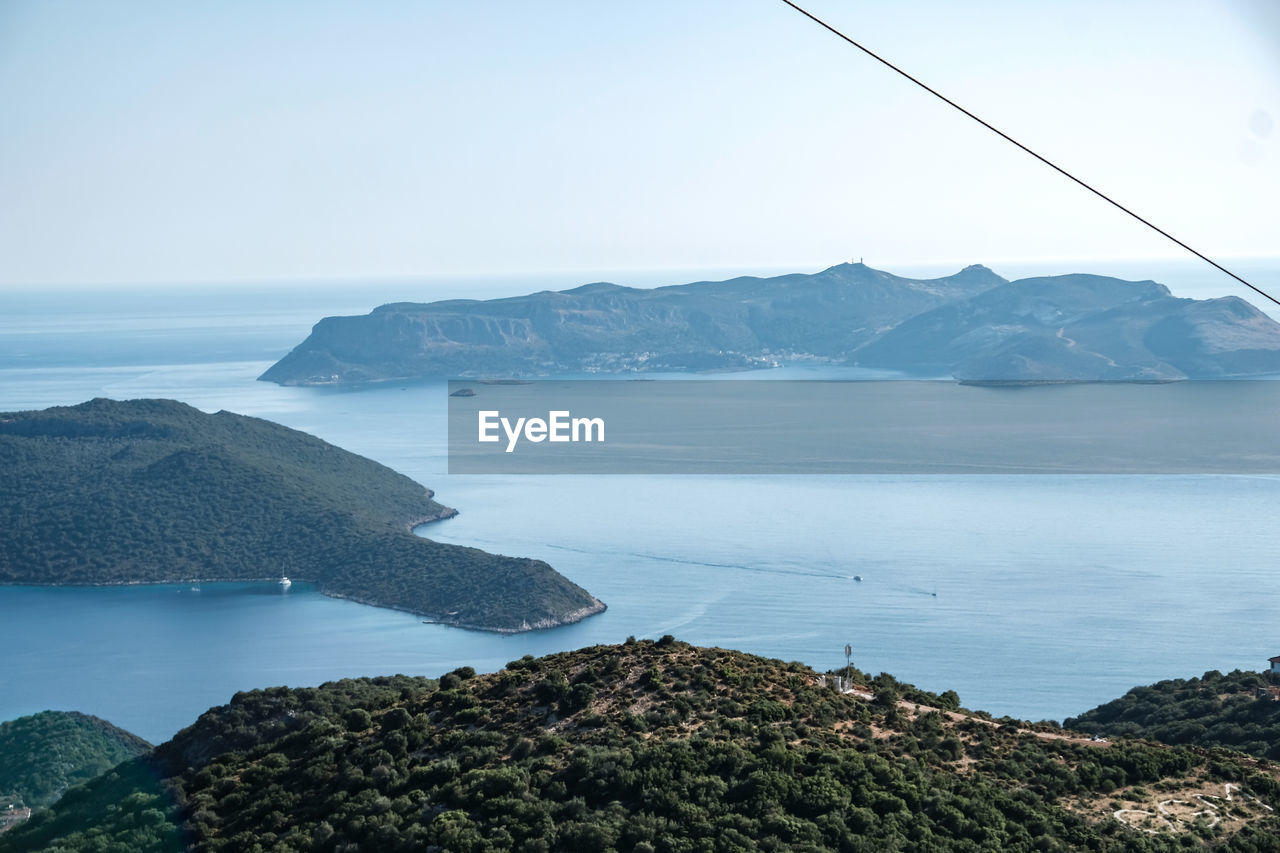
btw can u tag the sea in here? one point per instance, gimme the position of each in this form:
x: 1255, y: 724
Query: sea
x: 1033, y: 596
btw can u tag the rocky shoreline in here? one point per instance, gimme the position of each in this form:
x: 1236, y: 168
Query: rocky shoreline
x: 597, y: 606
x: 578, y: 615
x: 445, y: 512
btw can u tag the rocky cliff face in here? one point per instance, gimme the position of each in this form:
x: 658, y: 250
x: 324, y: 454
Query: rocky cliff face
x: 974, y: 325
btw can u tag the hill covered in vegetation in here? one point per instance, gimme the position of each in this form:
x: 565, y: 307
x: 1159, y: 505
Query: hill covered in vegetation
x: 150, y: 491
x: 1239, y: 710
x: 44, y: 754
x: 650, y: 746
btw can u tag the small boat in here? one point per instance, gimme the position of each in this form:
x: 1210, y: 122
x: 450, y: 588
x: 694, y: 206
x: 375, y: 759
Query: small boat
x: 858, y: 578
x: 285, y: 583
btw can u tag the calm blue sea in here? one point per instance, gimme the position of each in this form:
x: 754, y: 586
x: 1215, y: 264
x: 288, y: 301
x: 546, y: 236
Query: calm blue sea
x: 1037, y: 597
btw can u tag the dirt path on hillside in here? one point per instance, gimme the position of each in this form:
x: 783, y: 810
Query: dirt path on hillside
x: 958, y: 717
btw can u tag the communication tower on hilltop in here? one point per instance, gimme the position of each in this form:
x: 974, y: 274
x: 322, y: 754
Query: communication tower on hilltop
x: 844, y: 685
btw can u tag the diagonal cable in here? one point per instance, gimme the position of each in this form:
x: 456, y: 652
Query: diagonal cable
x: 1044, y: 160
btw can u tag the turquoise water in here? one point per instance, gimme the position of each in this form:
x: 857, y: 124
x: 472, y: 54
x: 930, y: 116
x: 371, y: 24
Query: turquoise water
x: 1032, y: 596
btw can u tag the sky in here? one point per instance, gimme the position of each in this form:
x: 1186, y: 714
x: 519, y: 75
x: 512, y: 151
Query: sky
x: 244, y: 141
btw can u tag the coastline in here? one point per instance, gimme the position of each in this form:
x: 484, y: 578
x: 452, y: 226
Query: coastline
x: 445, y: 512
x: 597, y: 606
x: 578, y: 615
x: 168, y: 582
x: 433, y: 619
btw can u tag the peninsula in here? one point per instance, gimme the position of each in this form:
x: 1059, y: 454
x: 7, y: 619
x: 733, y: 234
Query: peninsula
x: 155, y: 491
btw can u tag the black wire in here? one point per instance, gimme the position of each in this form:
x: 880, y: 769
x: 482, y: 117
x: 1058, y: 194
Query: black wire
x: 1009, y: 138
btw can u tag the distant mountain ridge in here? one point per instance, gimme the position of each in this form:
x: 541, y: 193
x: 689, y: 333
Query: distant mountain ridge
x: 973, y: 325
x: 736, y: 324
x: 1084, y: 327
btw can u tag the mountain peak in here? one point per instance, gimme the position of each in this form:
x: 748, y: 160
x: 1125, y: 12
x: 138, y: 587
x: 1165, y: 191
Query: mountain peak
x: 596, y: 287
x: 850, y: 267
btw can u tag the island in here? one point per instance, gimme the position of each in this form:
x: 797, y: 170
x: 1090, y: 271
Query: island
x: 651, y: 745
x: 156, y: 491
x: 974, y: 325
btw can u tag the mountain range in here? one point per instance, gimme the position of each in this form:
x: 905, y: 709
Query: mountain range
x: 973, y: 325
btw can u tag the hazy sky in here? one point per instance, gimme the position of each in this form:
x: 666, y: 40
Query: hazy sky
x: 162, y: 141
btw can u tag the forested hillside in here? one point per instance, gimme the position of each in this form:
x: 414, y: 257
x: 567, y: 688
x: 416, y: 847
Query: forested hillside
x: 1213, y: 710
x: 44, y: 754
x: 147, y: 491
x: 650, y: 746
